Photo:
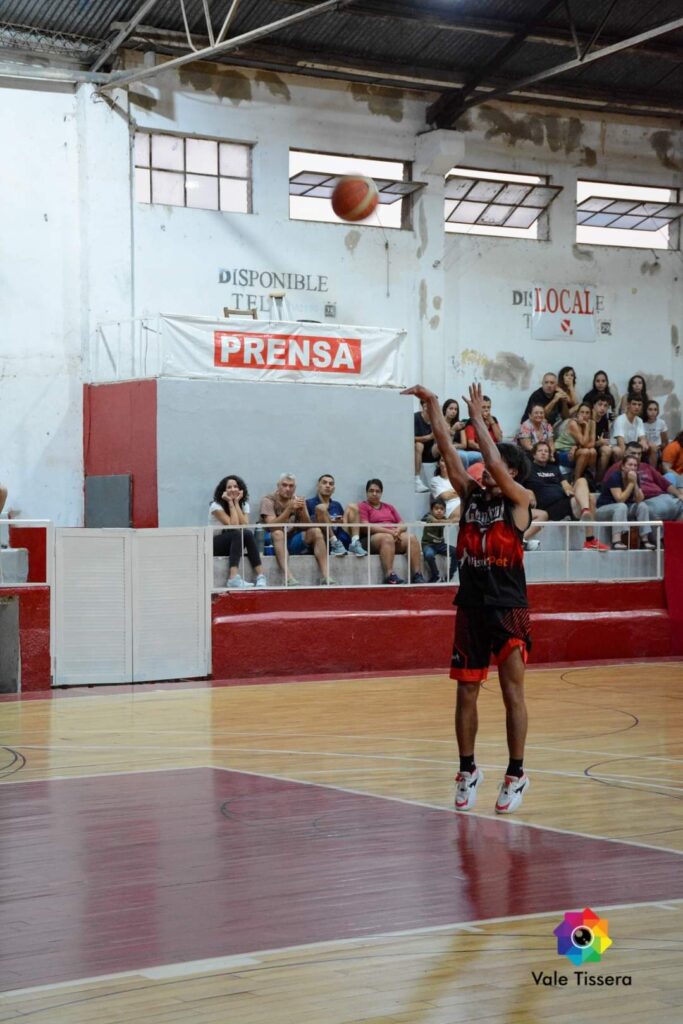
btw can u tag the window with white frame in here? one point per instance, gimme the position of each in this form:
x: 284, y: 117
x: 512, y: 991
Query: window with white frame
x: 499, y: 203
x: 636, y: 216
x: 313, y: 177
x: 205, y: 174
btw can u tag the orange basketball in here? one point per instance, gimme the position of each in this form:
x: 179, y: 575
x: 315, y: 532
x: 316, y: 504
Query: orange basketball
x: 355, y: 198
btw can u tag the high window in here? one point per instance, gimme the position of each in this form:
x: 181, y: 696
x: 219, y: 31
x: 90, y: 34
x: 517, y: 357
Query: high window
x: 497, y: 203
x: 205, y: 174
x: 638, y: 216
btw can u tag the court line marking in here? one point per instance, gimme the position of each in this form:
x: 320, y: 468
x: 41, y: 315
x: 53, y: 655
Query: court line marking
x: 250, y: 957
x: 450, y: 810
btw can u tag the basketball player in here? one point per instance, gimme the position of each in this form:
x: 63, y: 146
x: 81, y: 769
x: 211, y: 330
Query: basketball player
x: 492, y: 610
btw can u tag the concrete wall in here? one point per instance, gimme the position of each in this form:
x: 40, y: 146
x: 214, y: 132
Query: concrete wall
x: 77, y: 250
x: 207, y: 429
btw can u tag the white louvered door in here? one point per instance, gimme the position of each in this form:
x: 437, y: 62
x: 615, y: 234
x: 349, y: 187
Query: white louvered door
x: 130, y: 606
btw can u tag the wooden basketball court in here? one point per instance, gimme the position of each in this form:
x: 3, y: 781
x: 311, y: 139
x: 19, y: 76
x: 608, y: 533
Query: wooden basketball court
x: 288, y: 852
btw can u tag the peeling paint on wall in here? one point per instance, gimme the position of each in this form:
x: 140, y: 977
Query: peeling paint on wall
x: 351, y: 239
x: 434, y: 322
x: 672, y: 412
x: 675, y: 344
x: 508, y: 369
x: 423, y: 231
x: 437, y: 302
x: 662, y: 143
x: 380, y: 100
x: 229, y: 84
x: 274, y: 84
x: 656, y: 384
x: 423, y: 299
x: 650, y: 268
x: 143, y: 100
x: 590, y: 157
x: 582, y: 254
x: 560, y: 133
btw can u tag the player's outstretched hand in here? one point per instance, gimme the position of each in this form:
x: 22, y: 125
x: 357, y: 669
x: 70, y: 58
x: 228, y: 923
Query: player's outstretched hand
x: 475, y: 401
x: 420, y: 391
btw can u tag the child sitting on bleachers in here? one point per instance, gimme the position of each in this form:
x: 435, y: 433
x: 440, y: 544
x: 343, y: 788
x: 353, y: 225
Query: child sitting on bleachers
x: 433, y: 542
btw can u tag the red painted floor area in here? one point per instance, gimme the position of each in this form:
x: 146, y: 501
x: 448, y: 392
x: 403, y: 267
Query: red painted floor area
x: 121, y: 872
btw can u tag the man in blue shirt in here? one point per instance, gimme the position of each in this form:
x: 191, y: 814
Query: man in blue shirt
x: 324, y: 509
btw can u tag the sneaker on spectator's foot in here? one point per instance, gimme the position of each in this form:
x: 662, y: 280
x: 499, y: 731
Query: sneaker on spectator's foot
x: 327, y: 581
x: 532, y: 545
x: 237, y: 583
x: 466, y: 786
x: 418, y: 578
x: 435, y: 579
x: 593, y: 544
x: 420, y: 486
x: 356, y: 548
x: 261, y: 581
x: 292, y: 581
x: 511, y: 793
x: 393, y: 578
x: 337, y: 548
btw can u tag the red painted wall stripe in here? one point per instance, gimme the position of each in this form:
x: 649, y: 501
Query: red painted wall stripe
x: 120, y: 436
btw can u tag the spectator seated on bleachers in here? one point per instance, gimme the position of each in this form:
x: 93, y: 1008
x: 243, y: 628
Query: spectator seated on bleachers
x: 492, y: 425
x: 386, y: 535
x: 324, y: 509
x: 535, y: 429
x: 621, y: 500
x: 230, y: 508
x: 575, y: 442
x: 662, y: 498
x: 628, y: 426
x: 424, y: 445
x: 441, y: 487
x: 656, y: 432
x: 284, y: 511
x: 603, y: 437
x: 434, y: 542
x: 672, y: 460
x: 566, y: 381
x: 457, y: 427
x: 549, y: 396
x: 557, y: 497
x: 636, y: 388
x: 601, y: 389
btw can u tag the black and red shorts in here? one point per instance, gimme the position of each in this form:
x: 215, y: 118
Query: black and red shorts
x: 483, y: 632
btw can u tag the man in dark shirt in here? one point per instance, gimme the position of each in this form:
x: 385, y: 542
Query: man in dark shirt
x: 549, y: 395
x: 558, y: 498
x: 425, y: 448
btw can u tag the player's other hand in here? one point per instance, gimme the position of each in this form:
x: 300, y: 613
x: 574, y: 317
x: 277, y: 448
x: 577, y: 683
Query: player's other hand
x: 420, y: 391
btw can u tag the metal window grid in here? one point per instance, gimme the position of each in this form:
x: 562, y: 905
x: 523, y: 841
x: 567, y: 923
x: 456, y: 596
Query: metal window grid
x: 318, y: 185
x: 496, y: 202
x: 627, y: 214
x: 150, y: 167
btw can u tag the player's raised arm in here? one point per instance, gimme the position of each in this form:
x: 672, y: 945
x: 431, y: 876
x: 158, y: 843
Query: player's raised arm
x: 461, y: 480
x: 493, y: 460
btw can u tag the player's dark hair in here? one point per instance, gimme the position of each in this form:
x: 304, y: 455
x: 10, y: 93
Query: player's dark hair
x: 514, y: 458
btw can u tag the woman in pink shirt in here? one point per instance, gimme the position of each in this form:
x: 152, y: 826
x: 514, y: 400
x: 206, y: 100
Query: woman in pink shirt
x: 387, y: 535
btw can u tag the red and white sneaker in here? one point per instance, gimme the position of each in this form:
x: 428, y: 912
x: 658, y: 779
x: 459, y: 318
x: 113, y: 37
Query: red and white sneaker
x: 593, y: 544
x: 466, y: 786
x: 511, y: 793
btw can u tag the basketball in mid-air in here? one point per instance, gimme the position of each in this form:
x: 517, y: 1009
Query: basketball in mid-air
x: 355, y: 198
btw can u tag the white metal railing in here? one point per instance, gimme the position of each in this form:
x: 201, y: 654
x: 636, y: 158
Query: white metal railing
x: 10, y: 576
x: 553, y: 562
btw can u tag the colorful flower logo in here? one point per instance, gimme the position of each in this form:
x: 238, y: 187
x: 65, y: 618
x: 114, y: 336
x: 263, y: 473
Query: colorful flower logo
x: 582, y: 937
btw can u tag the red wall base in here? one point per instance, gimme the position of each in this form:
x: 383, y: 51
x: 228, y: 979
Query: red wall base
x: 297, y: 633
x: 34, y: 636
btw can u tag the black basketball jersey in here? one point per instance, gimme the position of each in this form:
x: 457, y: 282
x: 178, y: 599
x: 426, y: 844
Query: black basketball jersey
x: 490, y: 554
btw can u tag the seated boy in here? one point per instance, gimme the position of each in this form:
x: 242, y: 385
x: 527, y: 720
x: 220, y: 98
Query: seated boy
x: 433, y: 542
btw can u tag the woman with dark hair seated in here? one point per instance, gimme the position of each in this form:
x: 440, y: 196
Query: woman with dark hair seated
x: 601, y: 389
x: 456, y: 428
x: 386, y: 535
x: 230, y: 508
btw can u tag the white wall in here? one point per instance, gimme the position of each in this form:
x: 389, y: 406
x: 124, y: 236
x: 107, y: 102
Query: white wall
x: 76, y: 250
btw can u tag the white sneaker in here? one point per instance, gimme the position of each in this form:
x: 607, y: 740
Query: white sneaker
x: 337, y: 548
x: 420, y: 486
x: 356, y: 548
x: 237, y: 583
x: 261, y: 581
x: 532, y: 545
x: 466, y: 786
x: 511, y: 793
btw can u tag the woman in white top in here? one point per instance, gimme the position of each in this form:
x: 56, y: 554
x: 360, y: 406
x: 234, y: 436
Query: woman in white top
x: 441, y: 487
x: 656, y: 431
x: 230, y: 508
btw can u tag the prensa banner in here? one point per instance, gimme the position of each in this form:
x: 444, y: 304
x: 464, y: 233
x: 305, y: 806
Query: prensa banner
x: 564, y: 312
x: 244, y: 349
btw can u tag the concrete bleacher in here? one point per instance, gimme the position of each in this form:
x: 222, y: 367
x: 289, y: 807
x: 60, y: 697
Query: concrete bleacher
x: 559, y: 557
x: 13, y: 566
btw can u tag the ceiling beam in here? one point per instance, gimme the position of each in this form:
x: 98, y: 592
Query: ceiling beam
x: 571, y: 65
x: 448, y: 106
x: 127, y: 78
x: 123, y: 34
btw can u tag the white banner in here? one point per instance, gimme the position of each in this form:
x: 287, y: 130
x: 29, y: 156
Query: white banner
x: 246, y: 349
x: 564, y: 313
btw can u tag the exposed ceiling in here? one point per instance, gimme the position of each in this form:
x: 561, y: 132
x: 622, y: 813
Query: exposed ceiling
x: 623, y: 56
